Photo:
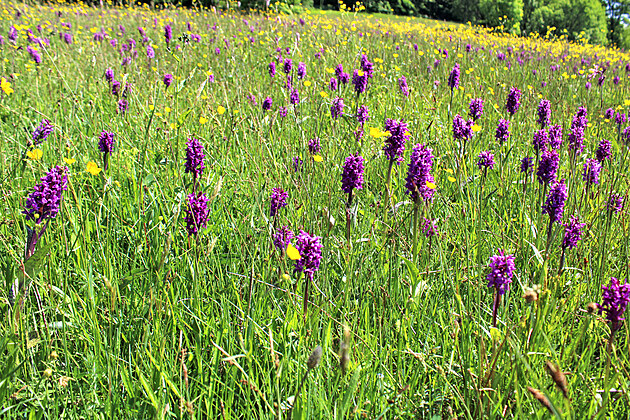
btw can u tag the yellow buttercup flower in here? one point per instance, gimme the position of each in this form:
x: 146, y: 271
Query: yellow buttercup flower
x: 5, y: 86
x: 69, y: 161
x: 318, y: 158
x: 293, y: 253
x: 93, y: 168
x: 220, y: 110
x: 35, y: 154
x: 202, y: 120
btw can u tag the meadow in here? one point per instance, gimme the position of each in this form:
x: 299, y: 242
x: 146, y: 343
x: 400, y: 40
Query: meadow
x: 215, y: 214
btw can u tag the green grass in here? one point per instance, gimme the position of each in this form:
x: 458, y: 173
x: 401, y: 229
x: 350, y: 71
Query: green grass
x: 139, y: 320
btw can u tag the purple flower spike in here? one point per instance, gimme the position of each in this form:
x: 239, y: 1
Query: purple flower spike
x: 42, y: 132
x: 106, y: 142
x: 336, y: 109
x: 267, y: 103
x: 43, y: 203
x: 556, y: 199
x: 501, y: 271
x: 272, y: 69
x: 310, y: 249
x: 572, y: 233
x: 609, y: 114
x: 548, y: 166
x: 288, y: 65
x: 194, y: 158
x: 615, y: 203
x: 429, y: 228
x: 168, y: 33
x: 462, y: 129
x: 360, y: 81
x: 475, y: 109
x: 402, y: 85
x: 419, y: 174
x: 503, y: 131
x: 620, y: 118
x: 168, y: 80
x: 527, y: 164
x: 352, y: 176
x: 592, y: 168
x: 282, y: 238
x: 555, y: 136
x: 513, y: 100
x: 604, y: 150
x: 196, y: 213
x: 544, y: 113
x: 301, y: 71
x: 395, y: 143
x: 540, y: 140
x: 314, y: 147
x: 615, y: 299
x: 362, y: 114
x: 277, y: 201
x: 485, y: 160
x: 453, y: 77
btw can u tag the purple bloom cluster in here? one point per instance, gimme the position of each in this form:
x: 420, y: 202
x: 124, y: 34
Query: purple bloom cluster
x: 544, y: 113
x: 402, y: 85
x: 615, y: 203
x: 43, y: 203
x: 196, y: 213
x: 301, y: 70
x: 429, y: 228
x: 282, y: 238
x: 362, y: 114
x: 352, y: 176
x: 109, y: 75
x: 501, y: 271
x: 485, y: 160
x: 194, y: 157
x: 367, y: 66
x: 555, y: 136
x: 513, y: 100
x: 556, y: 199
x: 572, y: 233
x: 266, y: 105
x: 395, y: 143
x: 37, y: 58
x: 620, y: 118
x: 592, y: 168
x: 548, y: 166
x: 578, y: 125
x: 333, y: 84
x: 453, y: 77
x: 277, y: 200
x: 294, y: 97
x: 615, y: 299
x: 272, y: 69
x: 168, y: 33
x: 168, y: 80
x: 106, y: 142
x: 288, y: 66
x: 360, y: 81
x: 462, y: 129
x: 314, y: 147
x: 419, y: 174
x: 336, y: 109
x: 503, y: 131
x: 609, y: 114
x: 42, y: 132
x: 527, y: 163
x: 310, y: 249
x: 475, y: 109
x: 540, y: 140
